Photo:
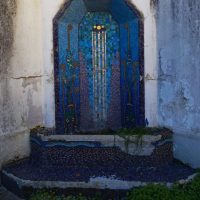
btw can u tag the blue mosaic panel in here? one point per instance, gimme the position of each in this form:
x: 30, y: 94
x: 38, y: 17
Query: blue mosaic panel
x: 99, y: 49
x: 132, y: 62
x: 130, y: 73
x: 68, y: 77
x: 99, y: 66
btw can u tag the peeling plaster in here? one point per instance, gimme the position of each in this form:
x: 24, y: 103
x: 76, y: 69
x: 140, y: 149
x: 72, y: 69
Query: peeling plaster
x: 20, y: 65
x: 153, y: 4
x: 179, y: 43
x: 34, y: 112
x: 148, y: 77
x: 178, y: 37
x: 6, y: 117
x: 31, y: 82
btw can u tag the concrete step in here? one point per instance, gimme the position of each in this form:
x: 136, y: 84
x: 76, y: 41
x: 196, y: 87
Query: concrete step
x: 84, y: 168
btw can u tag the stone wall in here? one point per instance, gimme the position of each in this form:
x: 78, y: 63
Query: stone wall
x: 21, y: 65
x: 178, y: 45
x: 20, y: 75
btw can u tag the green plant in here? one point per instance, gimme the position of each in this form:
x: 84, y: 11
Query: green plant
x: 193, y: 189
x: 190, y: 191
x: 140, y: 131
x: 150, y: 192
x: 45, y: 195
x: 126, y: 134
x: 178, y: 193
x: 79, y: 197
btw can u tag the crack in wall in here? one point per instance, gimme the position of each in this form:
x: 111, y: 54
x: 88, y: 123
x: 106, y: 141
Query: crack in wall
x: 26, y: 77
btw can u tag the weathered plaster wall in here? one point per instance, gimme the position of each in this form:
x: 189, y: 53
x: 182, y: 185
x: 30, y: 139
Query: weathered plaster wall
x: 21, y: 65
x: 26, y: 65
x: 49, y: 10
x: 20, y: 75
x: 178, y: 33
x: 14, y: 146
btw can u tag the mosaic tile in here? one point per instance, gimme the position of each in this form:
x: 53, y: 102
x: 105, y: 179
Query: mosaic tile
x: 121, y: 99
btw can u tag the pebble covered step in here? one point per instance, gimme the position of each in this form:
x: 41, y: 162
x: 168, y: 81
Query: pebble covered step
x: 158, y: 146
x: 84, y: 167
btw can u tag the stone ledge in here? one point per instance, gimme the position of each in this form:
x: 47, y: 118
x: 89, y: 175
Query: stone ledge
x: 146, y: 146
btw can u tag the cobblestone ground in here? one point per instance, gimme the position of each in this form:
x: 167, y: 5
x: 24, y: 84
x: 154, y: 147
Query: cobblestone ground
x: 5, y: 195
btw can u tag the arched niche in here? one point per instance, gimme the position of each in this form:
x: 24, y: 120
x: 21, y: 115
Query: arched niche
x: 98, y: 66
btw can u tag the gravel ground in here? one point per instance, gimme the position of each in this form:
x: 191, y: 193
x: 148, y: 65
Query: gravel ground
x: 80, y: 164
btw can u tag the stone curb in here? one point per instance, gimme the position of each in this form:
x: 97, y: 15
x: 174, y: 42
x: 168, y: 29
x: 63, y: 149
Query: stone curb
x: 95, y: 183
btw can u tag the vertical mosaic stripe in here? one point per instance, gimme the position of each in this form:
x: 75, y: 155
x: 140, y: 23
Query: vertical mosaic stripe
x: 99, y: 77
x: 99, y: 45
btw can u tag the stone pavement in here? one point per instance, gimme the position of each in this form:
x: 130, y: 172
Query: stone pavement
x: 5, y: 195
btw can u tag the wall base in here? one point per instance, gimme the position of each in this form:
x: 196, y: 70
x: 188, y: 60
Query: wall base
x: 14, y: 146
x: 186, y: 149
